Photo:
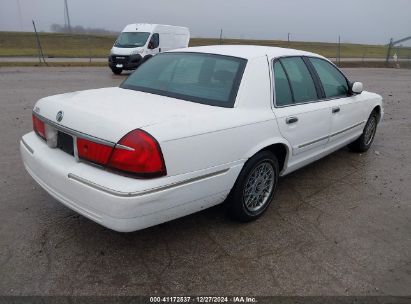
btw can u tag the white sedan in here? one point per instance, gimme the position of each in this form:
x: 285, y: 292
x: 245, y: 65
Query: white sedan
x: 192, y: 128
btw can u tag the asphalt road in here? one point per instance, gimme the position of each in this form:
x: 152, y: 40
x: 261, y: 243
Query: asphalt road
x: 341, y: 226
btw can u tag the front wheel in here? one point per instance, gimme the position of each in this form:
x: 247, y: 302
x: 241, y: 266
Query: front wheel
x: 146, y: 58
x: 255, y: 187
x: 363, y: 143
x: 116, y: 71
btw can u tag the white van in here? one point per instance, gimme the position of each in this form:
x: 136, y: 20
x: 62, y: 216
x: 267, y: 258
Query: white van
x: 138, y: 42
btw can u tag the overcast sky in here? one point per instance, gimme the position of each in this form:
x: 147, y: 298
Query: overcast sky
x: 367, y: 21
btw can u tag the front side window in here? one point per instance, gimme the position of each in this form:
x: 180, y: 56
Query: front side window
x: 333, y: 82
x: 155, y: 41
x: 132, y: 39
x: 302, y: 84
x: 197, y: 77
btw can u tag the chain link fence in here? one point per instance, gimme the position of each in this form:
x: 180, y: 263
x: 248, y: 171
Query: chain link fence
x: 94, y: 49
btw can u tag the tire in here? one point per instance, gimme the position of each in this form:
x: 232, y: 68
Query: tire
x: 146, y: 58
x: 364, y: 142
x: 246, y: 208
x: 117, y: 71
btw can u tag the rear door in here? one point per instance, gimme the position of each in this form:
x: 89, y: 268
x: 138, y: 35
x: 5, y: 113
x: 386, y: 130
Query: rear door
x: 347, y: 117
x: 303, y: 119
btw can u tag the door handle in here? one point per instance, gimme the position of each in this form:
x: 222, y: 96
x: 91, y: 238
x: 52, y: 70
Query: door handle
x: 291, y: 120
x: 159, y: 50
x: 335, y: 110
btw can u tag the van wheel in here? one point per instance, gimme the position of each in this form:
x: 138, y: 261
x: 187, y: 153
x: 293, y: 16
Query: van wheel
x: 363, y: 143
x: 255, y: 187
x: 116, y: 71
x: 146, y: 58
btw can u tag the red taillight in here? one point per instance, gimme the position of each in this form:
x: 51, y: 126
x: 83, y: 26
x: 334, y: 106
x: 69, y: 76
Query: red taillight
x: 94, y: 152
x: 39, y: 127
x: 138, y: 153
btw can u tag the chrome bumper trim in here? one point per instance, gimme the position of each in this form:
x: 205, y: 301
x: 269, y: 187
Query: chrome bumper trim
x: 27, y: 146
x: 144, y: 192
x: 74, y: 133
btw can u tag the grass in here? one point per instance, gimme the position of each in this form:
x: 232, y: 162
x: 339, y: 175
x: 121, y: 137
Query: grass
x: 75, y: 45
x: 348, y: 50
x: 55, y: 45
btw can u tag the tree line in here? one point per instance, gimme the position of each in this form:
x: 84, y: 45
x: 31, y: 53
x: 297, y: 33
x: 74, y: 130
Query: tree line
x: 79, y: 29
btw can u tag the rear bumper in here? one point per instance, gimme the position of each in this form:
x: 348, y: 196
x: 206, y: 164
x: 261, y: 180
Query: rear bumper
x: 121, y: 203
x: 127, y: 62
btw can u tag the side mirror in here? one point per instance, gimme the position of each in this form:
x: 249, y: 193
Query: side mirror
x: 151, y: 45
x: 356, y: 87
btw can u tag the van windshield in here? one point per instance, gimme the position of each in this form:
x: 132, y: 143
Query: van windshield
x: 198, y: 77
x: 132, y: 39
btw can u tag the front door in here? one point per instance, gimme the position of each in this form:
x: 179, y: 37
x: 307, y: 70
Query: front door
x: 154, y: 44
x: 347, y: 117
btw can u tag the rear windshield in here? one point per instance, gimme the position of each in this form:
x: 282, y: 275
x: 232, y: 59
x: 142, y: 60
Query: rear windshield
x: 203, y: 78
x: 131, y: 39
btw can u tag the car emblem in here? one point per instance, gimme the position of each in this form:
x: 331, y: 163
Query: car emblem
x: 59, y: 116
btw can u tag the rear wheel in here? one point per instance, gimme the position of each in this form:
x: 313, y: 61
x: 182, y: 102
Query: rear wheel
x: 116, y: 71
x: 255, y: 187
x: 364, y: 142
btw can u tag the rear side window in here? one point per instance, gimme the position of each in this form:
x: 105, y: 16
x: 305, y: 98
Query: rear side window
x: 283, y: 94
x: 333, y: 82
x: 203, y: 78
x: 302, y: 84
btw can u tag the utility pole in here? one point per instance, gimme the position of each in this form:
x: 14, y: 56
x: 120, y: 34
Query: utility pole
x: 288, y: 38
x: 390, y: 45
x: 89, y: 47
x: 20, y: 15
x: 221, y: 36
x: 339, y: 50
x: 67, y: 16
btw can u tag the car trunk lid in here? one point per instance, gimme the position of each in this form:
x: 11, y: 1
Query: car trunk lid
x: 110, y: 113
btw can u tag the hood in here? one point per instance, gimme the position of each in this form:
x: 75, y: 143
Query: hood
x: 126, y: 51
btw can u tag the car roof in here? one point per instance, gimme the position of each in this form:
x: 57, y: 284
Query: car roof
x: 247, y: 51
